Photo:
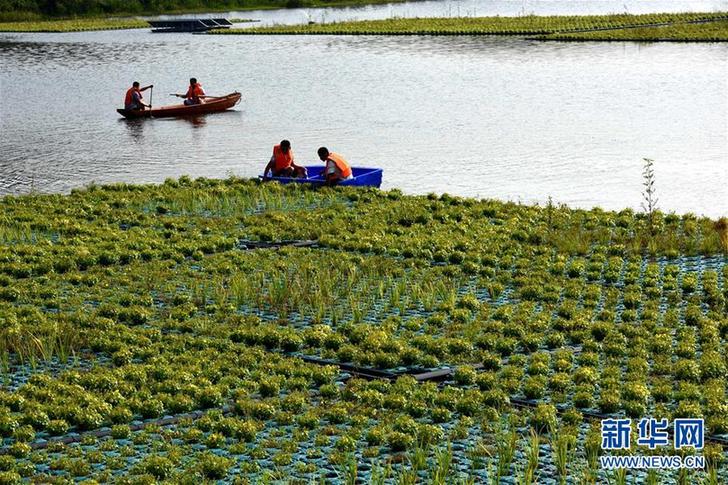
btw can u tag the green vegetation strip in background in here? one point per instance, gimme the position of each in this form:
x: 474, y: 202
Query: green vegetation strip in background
x: 531, y: 25
x: 42, y: 10
x: 73, y: 25
x: 681, y: 32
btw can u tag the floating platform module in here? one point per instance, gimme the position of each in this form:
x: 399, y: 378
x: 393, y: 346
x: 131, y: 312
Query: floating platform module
x: 188, y: 25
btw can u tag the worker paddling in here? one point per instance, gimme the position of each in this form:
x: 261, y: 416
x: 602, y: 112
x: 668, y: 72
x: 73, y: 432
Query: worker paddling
x: 194, y: 95
x: 134, y: 100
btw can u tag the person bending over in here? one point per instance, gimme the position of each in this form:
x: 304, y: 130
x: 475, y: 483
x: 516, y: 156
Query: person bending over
x: 336, y: 169
x: 282, y: 164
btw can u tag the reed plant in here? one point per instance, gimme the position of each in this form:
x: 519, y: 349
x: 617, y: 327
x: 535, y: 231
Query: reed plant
x: 349, y: 470
x: 28, y: 344
x: 563, y: 445
x: 440, y: 472
x: 529, y: 472
x: 506, y: 444
x: 618, y: 476
x: 380, y: 474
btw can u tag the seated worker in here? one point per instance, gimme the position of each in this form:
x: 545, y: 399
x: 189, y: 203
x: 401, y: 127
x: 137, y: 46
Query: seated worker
x: 134, y: 99
x: 281, y: 164
x: 337, y: 169
x: 194, y: 94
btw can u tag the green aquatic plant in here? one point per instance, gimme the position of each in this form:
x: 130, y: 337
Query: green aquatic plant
x: 563, y: 445
x: 160, y: 467
x: 440, y: 472
x: 506, y: 441
x: 543, y: 418
x: 560, y: 27
x: 202, y: 324
x: 211, y: 466
x: 40, y: 341
x: 649, y: 195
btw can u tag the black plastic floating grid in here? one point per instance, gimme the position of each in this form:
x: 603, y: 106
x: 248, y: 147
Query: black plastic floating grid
x: 18, y: 374
x: 419, y: 374
x: 596, y: 416
x: 263, y: 207
x: 440, y: 375
x: 104, y: 432
x: 245, y: 244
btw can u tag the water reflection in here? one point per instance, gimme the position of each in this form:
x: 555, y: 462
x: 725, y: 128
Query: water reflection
x: 69, y: 53
x: 476, y: 48
x: 135, y: 129
x: 196, y: 121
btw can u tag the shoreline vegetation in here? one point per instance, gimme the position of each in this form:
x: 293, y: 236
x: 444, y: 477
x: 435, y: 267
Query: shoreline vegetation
x: 680, y: 27
x: 111, y: 16
x: 73, y: 25
x: 164, y: 333
x: 706, y: 26
x: 82, y: 25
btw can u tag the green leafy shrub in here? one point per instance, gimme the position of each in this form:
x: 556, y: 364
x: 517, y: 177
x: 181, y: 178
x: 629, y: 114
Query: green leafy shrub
x: 10, y: 478
x: 400, y: 441
x: 543, y: 418
x: 464, y: 375
x: 213, y: 467
x: 160, y: 467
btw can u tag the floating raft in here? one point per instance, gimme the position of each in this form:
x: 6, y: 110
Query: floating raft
x: 188, y: 25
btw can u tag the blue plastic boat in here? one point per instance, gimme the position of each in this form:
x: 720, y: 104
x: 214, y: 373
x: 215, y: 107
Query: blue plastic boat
x: 362, y: 177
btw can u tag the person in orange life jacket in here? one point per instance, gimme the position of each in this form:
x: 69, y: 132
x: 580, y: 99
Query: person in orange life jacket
x: 281, y: 164
x: 336, y: 169
x: 134, y: 99
x: 194, y: 94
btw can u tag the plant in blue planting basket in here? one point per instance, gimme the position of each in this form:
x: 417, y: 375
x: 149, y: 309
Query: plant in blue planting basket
x: 176, y: 316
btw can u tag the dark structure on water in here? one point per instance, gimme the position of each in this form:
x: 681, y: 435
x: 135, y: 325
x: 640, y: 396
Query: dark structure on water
x: 188, y: 25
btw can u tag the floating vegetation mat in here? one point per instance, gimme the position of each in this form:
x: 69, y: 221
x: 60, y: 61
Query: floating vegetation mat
x: 687, y: 26
x: 73, y: 25
x: 243, y: 332
x: 678, y: 32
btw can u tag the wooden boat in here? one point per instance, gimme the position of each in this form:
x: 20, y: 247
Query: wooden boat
x: 212, y: 105
x: 361, y: 177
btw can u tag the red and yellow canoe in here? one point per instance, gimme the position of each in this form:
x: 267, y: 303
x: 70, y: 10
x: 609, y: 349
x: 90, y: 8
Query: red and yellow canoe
x: 211, y: 105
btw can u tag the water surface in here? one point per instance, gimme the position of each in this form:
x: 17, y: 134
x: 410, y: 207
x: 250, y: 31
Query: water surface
x: 475, y: 116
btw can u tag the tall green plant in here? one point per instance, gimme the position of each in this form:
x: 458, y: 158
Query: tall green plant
x: 649, y: 194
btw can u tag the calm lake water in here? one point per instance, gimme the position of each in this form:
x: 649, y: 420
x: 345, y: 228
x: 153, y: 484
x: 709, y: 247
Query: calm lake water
x: 475, y: 116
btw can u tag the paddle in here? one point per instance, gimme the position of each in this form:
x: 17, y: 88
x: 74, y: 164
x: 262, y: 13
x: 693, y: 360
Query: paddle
x: 204, y: 96
x: 148, y: 112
